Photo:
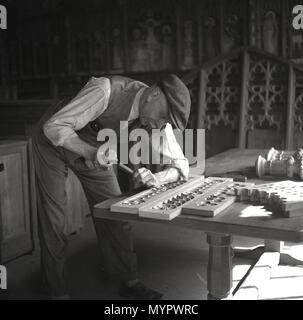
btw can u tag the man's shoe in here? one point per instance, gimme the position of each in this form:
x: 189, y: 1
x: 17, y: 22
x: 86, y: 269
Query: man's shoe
x: 138, y: 291
x: 64, y: 297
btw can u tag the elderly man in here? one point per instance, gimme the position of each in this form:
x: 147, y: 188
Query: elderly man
x: 66, y: 137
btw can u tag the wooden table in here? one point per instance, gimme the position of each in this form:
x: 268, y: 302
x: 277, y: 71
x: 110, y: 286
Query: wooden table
x: 239, y: 219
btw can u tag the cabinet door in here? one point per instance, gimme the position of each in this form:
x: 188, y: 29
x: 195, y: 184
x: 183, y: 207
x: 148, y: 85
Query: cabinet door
x: 15, y: 233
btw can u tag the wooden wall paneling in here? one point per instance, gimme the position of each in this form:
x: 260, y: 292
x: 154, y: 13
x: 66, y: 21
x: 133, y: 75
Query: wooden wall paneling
x: 40, y: 44
x: 26, y: 51
x: 179, y: 22
x: 117, y: 35
x: 252, y: 24
x: 284, y: 27
x: 34, y: 51
x: 32, y: 195
x: 107, y: 42
x: 201, y: 100
x: 245, y: 22
x: 187, y: 35
x: 48, y: 37
x: 125, y: 36
x: 270, y: 25
x: 69, y: 45
x: 199, y: 32
x: 98, y: 54
x: 58, y: 45
x: 80, y: 42
x: 152, y: 34
x: 298, y: 110
x: 221, y: 25
x: 233, y: 23
x: 244, y: 98
x: 290, y: 109
x: 15, y: 205
x: 210, y: 15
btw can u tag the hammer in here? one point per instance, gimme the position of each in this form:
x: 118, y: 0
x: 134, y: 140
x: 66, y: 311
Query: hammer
x: 112, y: 158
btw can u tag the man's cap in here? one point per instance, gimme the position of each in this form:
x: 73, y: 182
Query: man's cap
x: 178, y: 98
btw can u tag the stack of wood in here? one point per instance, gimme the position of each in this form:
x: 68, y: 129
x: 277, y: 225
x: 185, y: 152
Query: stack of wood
x: 282, y: 198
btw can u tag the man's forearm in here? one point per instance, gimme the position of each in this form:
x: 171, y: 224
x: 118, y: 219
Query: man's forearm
x: 167, y: 175
x: 78, y: 146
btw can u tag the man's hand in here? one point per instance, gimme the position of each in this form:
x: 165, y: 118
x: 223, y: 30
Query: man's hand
x: 102, y: 159
x: 145, y: 177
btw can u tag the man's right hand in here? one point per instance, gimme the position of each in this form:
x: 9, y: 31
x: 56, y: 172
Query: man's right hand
x: 102, y: 159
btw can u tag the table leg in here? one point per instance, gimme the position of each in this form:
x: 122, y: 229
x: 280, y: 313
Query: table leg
x: 219, y: 268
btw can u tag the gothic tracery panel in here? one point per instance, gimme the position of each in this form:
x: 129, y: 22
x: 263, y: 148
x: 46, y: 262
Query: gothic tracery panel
x: 267, y: 93
x: 222, y: 94
x: 298, y: 103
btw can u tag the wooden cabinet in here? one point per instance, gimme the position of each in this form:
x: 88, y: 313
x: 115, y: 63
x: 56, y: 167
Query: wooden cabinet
x: 17, y: 199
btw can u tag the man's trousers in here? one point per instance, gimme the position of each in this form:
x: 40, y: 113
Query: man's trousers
x: 115, y: 241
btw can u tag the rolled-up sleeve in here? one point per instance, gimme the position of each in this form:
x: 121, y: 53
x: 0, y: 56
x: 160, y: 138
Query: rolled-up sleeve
x: 87, y: 105
x: 169, y: 150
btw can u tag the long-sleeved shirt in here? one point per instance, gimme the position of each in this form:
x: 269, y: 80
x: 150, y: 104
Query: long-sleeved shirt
x: 90, y: 103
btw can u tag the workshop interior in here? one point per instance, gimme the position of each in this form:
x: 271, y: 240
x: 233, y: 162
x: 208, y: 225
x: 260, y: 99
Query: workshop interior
x: 222, y: 219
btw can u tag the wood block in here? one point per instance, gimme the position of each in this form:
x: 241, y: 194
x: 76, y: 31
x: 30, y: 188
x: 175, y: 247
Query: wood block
x: 215, y: 201
x: 133, y: 203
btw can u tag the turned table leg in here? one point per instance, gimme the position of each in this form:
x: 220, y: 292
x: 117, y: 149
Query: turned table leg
x: 219, y: 268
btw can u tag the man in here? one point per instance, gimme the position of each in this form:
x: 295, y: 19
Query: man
x: 66, y: 137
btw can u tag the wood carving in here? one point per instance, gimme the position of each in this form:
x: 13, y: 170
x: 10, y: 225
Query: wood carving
x: 222, y: 95
x: 280, y: 163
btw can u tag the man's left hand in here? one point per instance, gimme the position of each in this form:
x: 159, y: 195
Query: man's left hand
x: 145, y: 177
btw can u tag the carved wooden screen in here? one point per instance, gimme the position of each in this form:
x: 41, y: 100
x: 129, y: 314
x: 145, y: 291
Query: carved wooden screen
x: 266, y: 104
x: 297, y: 112
x: 220, y: 104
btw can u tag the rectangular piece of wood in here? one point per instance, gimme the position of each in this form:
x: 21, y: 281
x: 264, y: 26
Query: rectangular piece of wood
x: 145, y: 197
x: 215, y: 201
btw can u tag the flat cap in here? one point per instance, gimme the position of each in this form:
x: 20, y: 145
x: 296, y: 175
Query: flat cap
x: 178, y: 98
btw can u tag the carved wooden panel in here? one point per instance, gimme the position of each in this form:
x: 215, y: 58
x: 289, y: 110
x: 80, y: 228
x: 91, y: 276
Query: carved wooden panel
x: 188, y: 34
x: 17, y: 219
x: 298, y: 110
x: 265, y: 25
x: 152, y: 35
x: 222, y: 94
x: 117, y: 37
x: 234, y: 24
x: 211, y: 17
x: 267, y: 93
